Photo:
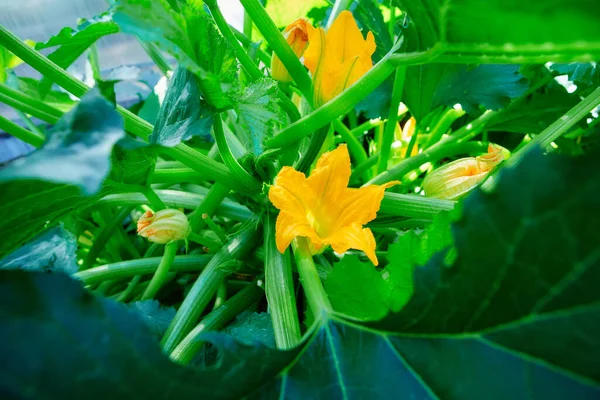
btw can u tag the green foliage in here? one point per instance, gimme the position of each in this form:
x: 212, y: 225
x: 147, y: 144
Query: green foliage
x: 156, y: 317
x: 83, y: 137
x: 183, y: 114
x: 431, y: 85
x: 52, y: 251
x: 133, y: 162
x: 251, y: 328
x: 259, y: 114
x: 188, y: 33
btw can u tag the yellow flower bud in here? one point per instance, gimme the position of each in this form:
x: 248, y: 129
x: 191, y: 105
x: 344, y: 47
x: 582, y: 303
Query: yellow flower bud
x: 296, y: 34
x: 164, y: 226
x: 457, y: 178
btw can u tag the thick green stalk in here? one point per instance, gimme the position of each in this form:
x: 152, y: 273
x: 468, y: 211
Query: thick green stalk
x: 21, y: 133
x: 559, y: 127
x: 366, y: 126
x: 413, y: 206
x: 176, y: 199
x: 27, y: 108
x: 309, y: 278
x: 355, y: 148
x: 158, y: 279
x: 157, y: 57
x: 246, y: 41
x: 143, y: 266
x: 216, y: 319
x: 314, y: 147
x: 242, y: 176
x: 209, y: 205
x: 392, y: 121
x: 432, y: 154
x: 279, y: 288
x: 443, y: 124
x: 203, y: 290
x: 47, y: 112
x: 361, y: 168
x: 275, y: 39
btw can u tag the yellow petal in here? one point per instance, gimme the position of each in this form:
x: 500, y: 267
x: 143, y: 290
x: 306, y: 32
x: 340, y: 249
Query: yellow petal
x: 314, y: 51
x: 360, y: 205
x: 289, y: 226
x: 331, y: 174
x: 291, y: 192
x: 354, y: 237
x: 296, y: 35
x: 347, y: 41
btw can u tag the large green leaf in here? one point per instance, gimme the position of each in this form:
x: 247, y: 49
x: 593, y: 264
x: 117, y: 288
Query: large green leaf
x: 183, y: 114
x: 52, y: 251
x: 133, y: 162
x: 513, y: 30
x: 185, y: 30
x: 431, y: 85
x: 259, y: 114
x: 77, y: 150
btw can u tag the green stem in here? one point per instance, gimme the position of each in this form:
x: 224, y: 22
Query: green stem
x: 363, y: 167
x: 144, y: 266
x: 309, y: 278
x: 221, y: 295
x: 275, y: 39
x: 216, y: 319
x: 279, y: 288
x: 354, y: 146
x: 21, y: 133
x: 124, y: 295
x: 158, y: 279
x: 413, y: 141
x: 432, y: 154
x: 366, y: 126
x: 176, y: 199
x: 392, y: 122
x: 338, y: 7
x: 94, y: 60
x: 413, y: 206
x: 30, y: 125
x: 155, y: 201
x: 242, y: 176
x: 314, y: 147
x: 559, y: 127
x: 27, y: 108
x: 208, y: 205
x: 104, y: 236
x: 246, y: 41
x: 242, y: 55
x: 215, y: 228
x: 157, y: 57
x: 469, y: 130
x: 203, y: 290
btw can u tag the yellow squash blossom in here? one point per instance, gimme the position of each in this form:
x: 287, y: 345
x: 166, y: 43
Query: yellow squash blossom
x: 455, y: 179
x: 323, y: 209
x: 163, y: 226
x: 337, y: 58
x: 296, y: 35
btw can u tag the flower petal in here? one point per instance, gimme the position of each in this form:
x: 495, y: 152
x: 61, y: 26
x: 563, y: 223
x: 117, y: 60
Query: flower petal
x: 331, y: 175
x: 288, y: 227
x: 354, y: 237
x: 360, y: 205
x: 314, y: 52
x: 346, y: 39
x: 291, y: 192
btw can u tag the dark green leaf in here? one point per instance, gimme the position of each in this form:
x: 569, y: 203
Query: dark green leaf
x: 59, y: 341
x: 156, y: 316
x: 565, y: 29
x: 377, y: 103
x: 431, y: 85
x: 183, y: 114
x: 251, y: 328
x: 77, y: 150
x: 259, y: 114
x: 133, y: 162
x: 74, y: 42
x: 369, y: 17
x: 52, y: 251
x: 188, y: 33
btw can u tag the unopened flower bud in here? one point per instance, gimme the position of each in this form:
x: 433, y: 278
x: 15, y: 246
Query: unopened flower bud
x: 163, y: 226
x: 296, y: 34
x: 457, y: 178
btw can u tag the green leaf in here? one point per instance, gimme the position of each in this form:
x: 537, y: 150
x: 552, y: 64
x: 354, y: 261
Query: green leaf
x: 83, y: 345
x: 77, y: 150
x: 431, y: 85
x: 534, y: 113
x: 156, y: 316
x: 357, y: 289
x: 251, y: 328
x: 470, y: 30
x: 133, y: 162
x: 74, y: 42
x: 369, y: 17
x: 188, y: 33
x: 184, y: 114
x: 259, y: 114
x: 52, y: 251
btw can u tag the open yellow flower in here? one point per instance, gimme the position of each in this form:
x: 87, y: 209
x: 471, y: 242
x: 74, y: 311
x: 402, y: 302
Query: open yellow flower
x: 296, y: 35
x: 337, y: 58
x: 323, y: 209
x: 457, y: 178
